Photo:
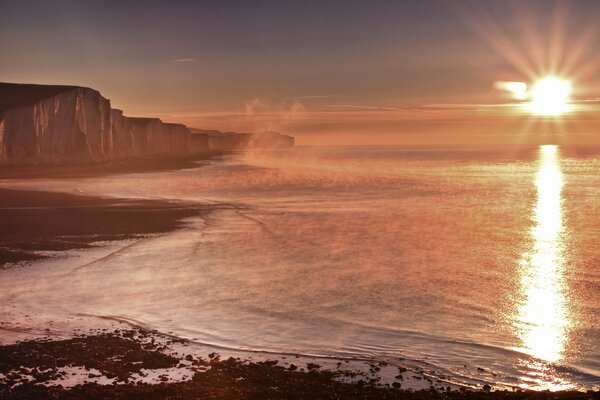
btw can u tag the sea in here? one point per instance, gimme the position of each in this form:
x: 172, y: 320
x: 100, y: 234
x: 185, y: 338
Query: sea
x: 480, y: 264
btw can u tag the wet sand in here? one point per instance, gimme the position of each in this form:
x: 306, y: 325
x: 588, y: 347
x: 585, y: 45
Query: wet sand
x: 32, y: 223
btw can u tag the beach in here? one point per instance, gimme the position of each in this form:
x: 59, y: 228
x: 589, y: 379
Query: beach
x: 203, y: 261
x: 102, y: 361
x: 34, y: 222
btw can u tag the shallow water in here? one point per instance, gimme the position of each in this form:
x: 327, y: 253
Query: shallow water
x: 480, y: 264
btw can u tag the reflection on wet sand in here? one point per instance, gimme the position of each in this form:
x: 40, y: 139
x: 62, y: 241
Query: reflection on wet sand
x: 543, y: 320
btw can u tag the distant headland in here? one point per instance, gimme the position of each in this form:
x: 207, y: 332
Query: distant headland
x: 52, y: 124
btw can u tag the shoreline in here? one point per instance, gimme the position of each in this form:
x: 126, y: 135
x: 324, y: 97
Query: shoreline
x: 96, y: 219
x: 134, y: 363
x: 33, y: 223
x: 124, y: 166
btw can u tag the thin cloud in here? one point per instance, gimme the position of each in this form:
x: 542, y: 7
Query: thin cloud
x: 467, y: 106
x: 353, y: 107
x: 184, y: 60
x: 310, y: 97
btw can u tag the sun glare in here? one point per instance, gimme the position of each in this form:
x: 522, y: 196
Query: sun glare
x: 550, y: 96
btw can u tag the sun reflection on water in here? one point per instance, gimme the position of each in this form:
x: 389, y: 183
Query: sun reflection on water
x: 542, y: 318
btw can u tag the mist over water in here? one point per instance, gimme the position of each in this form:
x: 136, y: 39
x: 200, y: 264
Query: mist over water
x: 450, y: 259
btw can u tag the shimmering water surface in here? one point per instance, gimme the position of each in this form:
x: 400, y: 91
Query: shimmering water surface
x: 481, y: 264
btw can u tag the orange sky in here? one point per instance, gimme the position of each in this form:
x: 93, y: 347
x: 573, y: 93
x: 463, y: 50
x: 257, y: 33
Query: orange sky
x: 349, y: 72
x: 502, y: 124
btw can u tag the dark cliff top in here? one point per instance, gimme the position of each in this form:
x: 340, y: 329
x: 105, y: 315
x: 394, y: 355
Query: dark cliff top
x: 214, y: 132
x: 205, y: 131
x: 142, y: 120
x: 171, y: 124
x: 15, y: 95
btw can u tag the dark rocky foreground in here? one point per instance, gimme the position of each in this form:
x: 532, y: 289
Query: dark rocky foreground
x: 25, y: 366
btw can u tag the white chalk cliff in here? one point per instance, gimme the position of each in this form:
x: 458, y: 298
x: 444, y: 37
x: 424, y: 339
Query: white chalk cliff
x: 47, y: 124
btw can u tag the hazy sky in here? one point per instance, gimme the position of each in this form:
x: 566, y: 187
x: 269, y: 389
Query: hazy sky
x: 397, y: 71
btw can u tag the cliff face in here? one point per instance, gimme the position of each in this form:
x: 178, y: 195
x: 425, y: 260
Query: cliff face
x: 69, y: 124
x: 228, y: 141
x: 150, y: 136
x: 198, y: 143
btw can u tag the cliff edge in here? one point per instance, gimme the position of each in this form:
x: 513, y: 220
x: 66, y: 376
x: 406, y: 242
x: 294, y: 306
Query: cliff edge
x: 48, y: 124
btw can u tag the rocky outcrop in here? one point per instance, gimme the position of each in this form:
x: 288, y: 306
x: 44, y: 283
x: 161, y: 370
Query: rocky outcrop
x: 271, y: 139
x: 42, y: 124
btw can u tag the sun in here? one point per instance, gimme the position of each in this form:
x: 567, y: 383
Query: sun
x: 550, y: 96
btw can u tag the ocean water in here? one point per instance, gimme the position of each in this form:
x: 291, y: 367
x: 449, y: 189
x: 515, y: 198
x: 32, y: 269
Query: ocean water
x: 481, y: 264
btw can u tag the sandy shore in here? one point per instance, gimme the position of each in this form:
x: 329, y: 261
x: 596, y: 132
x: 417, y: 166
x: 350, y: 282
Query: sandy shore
x: 34, y: 223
